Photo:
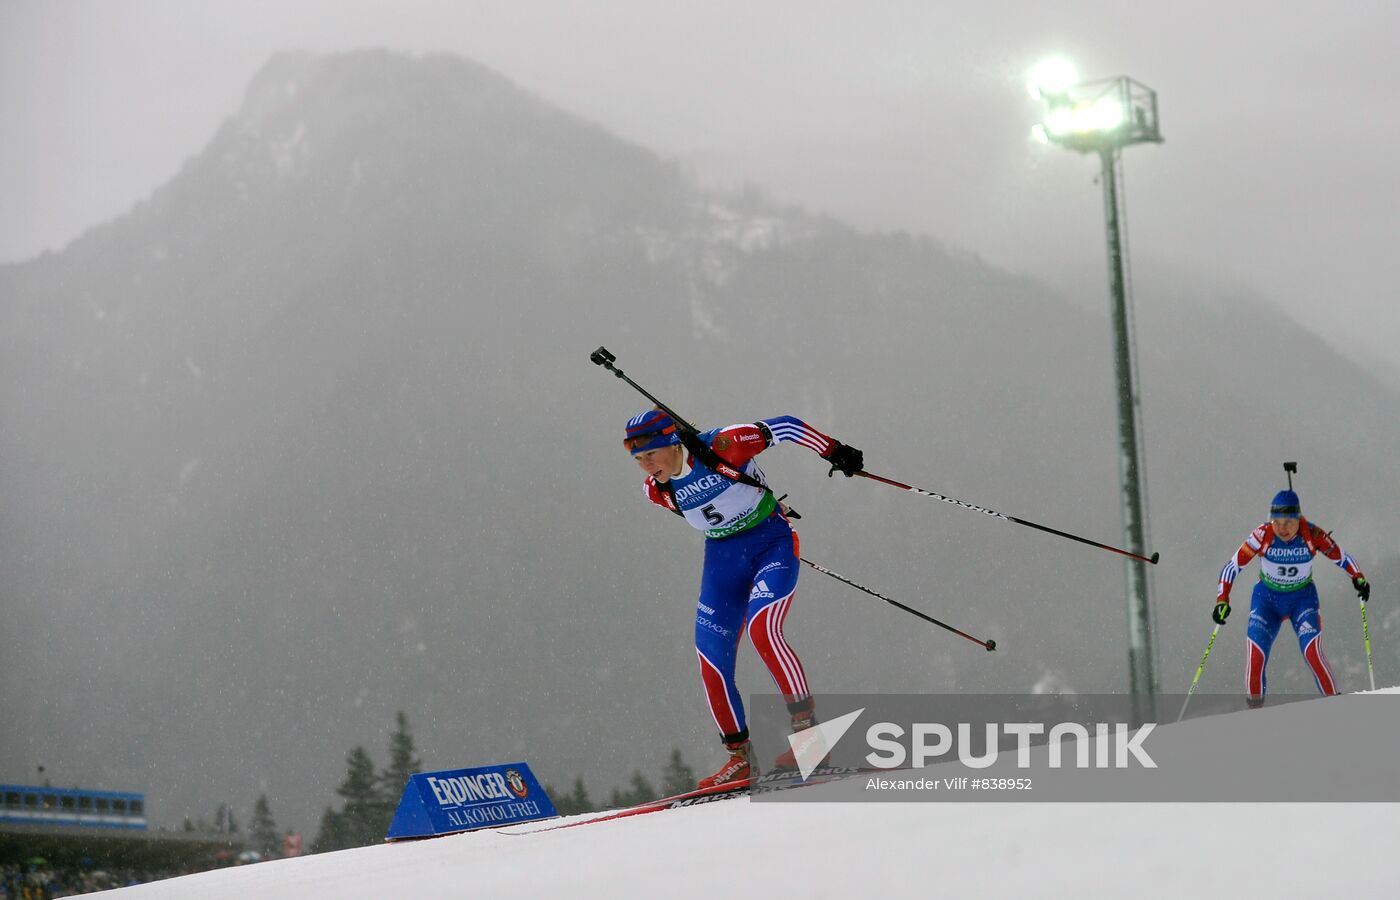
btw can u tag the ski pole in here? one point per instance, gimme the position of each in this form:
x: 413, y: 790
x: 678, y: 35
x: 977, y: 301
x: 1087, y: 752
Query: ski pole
x: 991, y: 512
x: 1199, y: 669
x: 604, y: 358
x: 989, y: 644
x: 1366, y: 633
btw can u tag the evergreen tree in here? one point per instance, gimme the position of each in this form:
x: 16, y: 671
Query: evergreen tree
x: 266, y: 839
x: 639, y: 791
x: 678, y: 777
x: 224, y: 822
x: 403, y: 762
x: 642, y: 791
x: 579, y: 799
x: 363, y: 816
x: 331, y: 834
x: 572, y: 803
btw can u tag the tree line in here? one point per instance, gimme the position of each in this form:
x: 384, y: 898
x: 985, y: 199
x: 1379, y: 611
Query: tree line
x: 371, y: 796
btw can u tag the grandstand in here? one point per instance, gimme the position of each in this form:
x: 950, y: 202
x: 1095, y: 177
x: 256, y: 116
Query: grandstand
x: 26, y: 805
x: 84, y: 827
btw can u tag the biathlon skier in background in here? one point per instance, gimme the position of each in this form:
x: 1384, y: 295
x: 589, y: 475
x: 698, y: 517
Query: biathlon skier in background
x: 1286, y: 545
x: 751, y: 557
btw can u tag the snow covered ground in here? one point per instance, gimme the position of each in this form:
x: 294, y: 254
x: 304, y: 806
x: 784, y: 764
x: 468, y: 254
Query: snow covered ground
x: 744, y: 848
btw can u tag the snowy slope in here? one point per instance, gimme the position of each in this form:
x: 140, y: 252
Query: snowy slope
x: 879, y: 849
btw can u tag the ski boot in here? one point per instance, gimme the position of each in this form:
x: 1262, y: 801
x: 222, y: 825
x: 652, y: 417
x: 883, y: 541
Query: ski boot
x: 736, y: 769
x: 804, y: 716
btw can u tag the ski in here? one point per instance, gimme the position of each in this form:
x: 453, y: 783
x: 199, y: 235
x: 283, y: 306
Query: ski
x: 770, y: 781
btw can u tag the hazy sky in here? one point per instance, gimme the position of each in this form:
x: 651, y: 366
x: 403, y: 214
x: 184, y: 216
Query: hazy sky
x: 1278, y: 170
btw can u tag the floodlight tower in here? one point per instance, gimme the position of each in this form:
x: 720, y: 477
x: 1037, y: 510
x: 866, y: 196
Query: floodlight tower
x: 1103, y: 117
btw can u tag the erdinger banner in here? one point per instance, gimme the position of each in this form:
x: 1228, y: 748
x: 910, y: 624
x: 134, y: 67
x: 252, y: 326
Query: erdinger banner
x: 942, y: 748
x: 466, y: 799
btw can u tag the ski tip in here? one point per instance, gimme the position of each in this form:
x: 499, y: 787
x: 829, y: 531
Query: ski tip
x: 1155, y: 557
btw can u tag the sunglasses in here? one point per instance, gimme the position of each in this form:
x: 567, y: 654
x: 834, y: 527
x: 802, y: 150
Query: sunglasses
x: 641, y: 440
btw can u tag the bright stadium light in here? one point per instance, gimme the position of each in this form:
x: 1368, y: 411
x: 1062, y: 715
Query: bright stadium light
x: 1059, y: 122
x: 1051, y: 77
x: 1103, y: 117
x: 1097, y: 115
x: 1090, y: 118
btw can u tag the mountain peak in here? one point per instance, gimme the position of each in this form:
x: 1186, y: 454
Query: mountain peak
x: 373, y: 79
x: 370, y: 126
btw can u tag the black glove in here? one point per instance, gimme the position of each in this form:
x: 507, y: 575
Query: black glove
x: 845, y: 459
x: 1363, y: 587
x: 1221, y: 612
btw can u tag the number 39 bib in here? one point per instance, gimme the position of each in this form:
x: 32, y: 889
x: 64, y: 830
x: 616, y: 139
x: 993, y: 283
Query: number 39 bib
x: 1286, y: 567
